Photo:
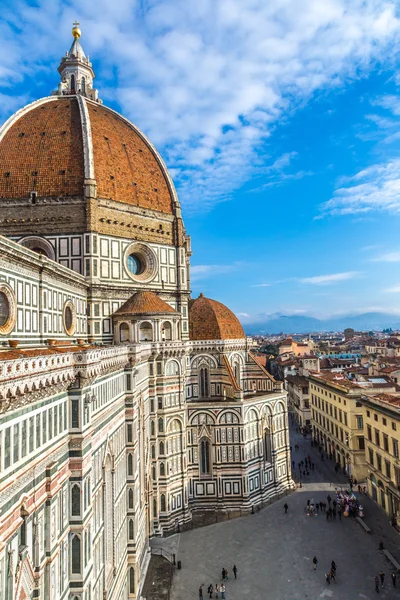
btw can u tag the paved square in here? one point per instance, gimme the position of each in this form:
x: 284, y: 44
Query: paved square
x: 273, y: 552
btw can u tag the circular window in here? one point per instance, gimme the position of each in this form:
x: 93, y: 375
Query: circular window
x: 8, y: 309
x: 69, y: 318
x: 140, y: 262
x: 134, y: 264
x: 4, y: 309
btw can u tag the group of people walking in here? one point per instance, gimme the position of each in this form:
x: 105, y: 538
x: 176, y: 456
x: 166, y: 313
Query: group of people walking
x: 381, y: 578
x: 331, y: 574
x: 218, y: 590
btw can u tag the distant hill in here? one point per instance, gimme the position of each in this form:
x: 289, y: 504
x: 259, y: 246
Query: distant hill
x: 372, y: 321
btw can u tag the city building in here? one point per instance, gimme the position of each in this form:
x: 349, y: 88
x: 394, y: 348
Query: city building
x: 382, y: 439
x: 337, y: 419
x: 127, y: 409
x: 381, y: 415
x: 297, y: 348
x: 299, y: 400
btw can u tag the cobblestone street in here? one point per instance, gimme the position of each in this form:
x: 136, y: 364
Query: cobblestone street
x: 273, y: 551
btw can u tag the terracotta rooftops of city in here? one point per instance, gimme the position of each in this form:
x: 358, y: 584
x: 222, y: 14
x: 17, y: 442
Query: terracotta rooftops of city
x: 211, y: 320
x: 145, y: 303
x: 391, y: 399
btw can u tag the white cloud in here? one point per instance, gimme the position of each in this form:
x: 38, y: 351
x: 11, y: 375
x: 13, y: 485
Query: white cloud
x: 206, y: 271
x: 393, y: 290
x: 389, y: 257
x: 328, y: 279
x: 261, y: 285
x: 376, y: 188
x: 207, y: 81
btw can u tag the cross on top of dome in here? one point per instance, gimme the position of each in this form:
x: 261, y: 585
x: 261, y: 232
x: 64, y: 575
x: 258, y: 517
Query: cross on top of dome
x: 76, y: 70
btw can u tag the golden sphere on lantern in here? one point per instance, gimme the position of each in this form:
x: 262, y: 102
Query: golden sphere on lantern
x: 76, y: 32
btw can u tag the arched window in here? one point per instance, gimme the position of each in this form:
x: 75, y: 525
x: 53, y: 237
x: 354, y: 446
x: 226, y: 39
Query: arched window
x: 204, y: 383
x: 154, y: 474
x: 267, y: 445
x: 76, y: 554
x: 22, y: 530
x: 83, y: 86
x: 152, y: 428
x: 131, y: 530
x: 205, y: 457
x: 73, y: 84
x: 166, y: 331
x: 124, y: 332
x: 131, y: 580
x: 161, y: 449
x: 163, y: 503
x: 153, y: 451
x: 130, y: 464
x: 160, y: 425
x: 145, y: 332
x: 130, y: 498
x: 75, y: 501
x: 236, y: 372
x: 172, y: 368
x: 154, y: 508
x: 162, y: 469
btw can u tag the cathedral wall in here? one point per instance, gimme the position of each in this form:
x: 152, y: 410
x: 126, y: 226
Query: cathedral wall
x: 40, y: 290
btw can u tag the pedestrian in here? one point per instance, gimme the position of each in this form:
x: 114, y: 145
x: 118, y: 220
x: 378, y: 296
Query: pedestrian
x: 201, y: 592
x: 376, y: 583
x: 226, y: 574
x: 308, y: 503
x: 334, y: 513
x: 317, y: 507
x: 223, y: 574
x: 216, y: 591
x: 333, y: 575
x: 333, y: 566
x: 210, y: 590
x: 329, y: 499
x: 222, y: 590
x: 321, y: 505
x: 235, y: 571
x: 315, y: 562
x: 394, y: 577
x: 328, y: 578
x: 285, y: 506
x: 382, y: 576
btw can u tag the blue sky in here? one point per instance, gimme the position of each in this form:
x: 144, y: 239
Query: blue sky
x: 279, y: 121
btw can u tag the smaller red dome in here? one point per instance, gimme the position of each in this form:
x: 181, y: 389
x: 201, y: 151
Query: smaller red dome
x: 145, y: 303
x: 211, y: 320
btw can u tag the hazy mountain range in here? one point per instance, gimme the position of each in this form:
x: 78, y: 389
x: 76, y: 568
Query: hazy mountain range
x: 373, y: 321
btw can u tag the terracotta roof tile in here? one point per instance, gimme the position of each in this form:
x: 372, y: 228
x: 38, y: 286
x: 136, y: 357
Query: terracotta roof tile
x: 211, y: 320
x: 43, y: 152
x: 144, y: 303
x: 125, y: 166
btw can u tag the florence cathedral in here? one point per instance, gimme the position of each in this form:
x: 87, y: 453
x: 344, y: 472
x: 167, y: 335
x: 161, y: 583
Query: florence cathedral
x: 128, y: 410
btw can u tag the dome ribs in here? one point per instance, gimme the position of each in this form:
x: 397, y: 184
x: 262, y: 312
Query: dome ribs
x: 120, y: 151
x: 36, y: 161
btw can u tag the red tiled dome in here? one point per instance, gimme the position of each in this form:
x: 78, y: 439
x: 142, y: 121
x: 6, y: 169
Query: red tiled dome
x: 211, y: 320
x: 144, y: 303
x: 42, y: 150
